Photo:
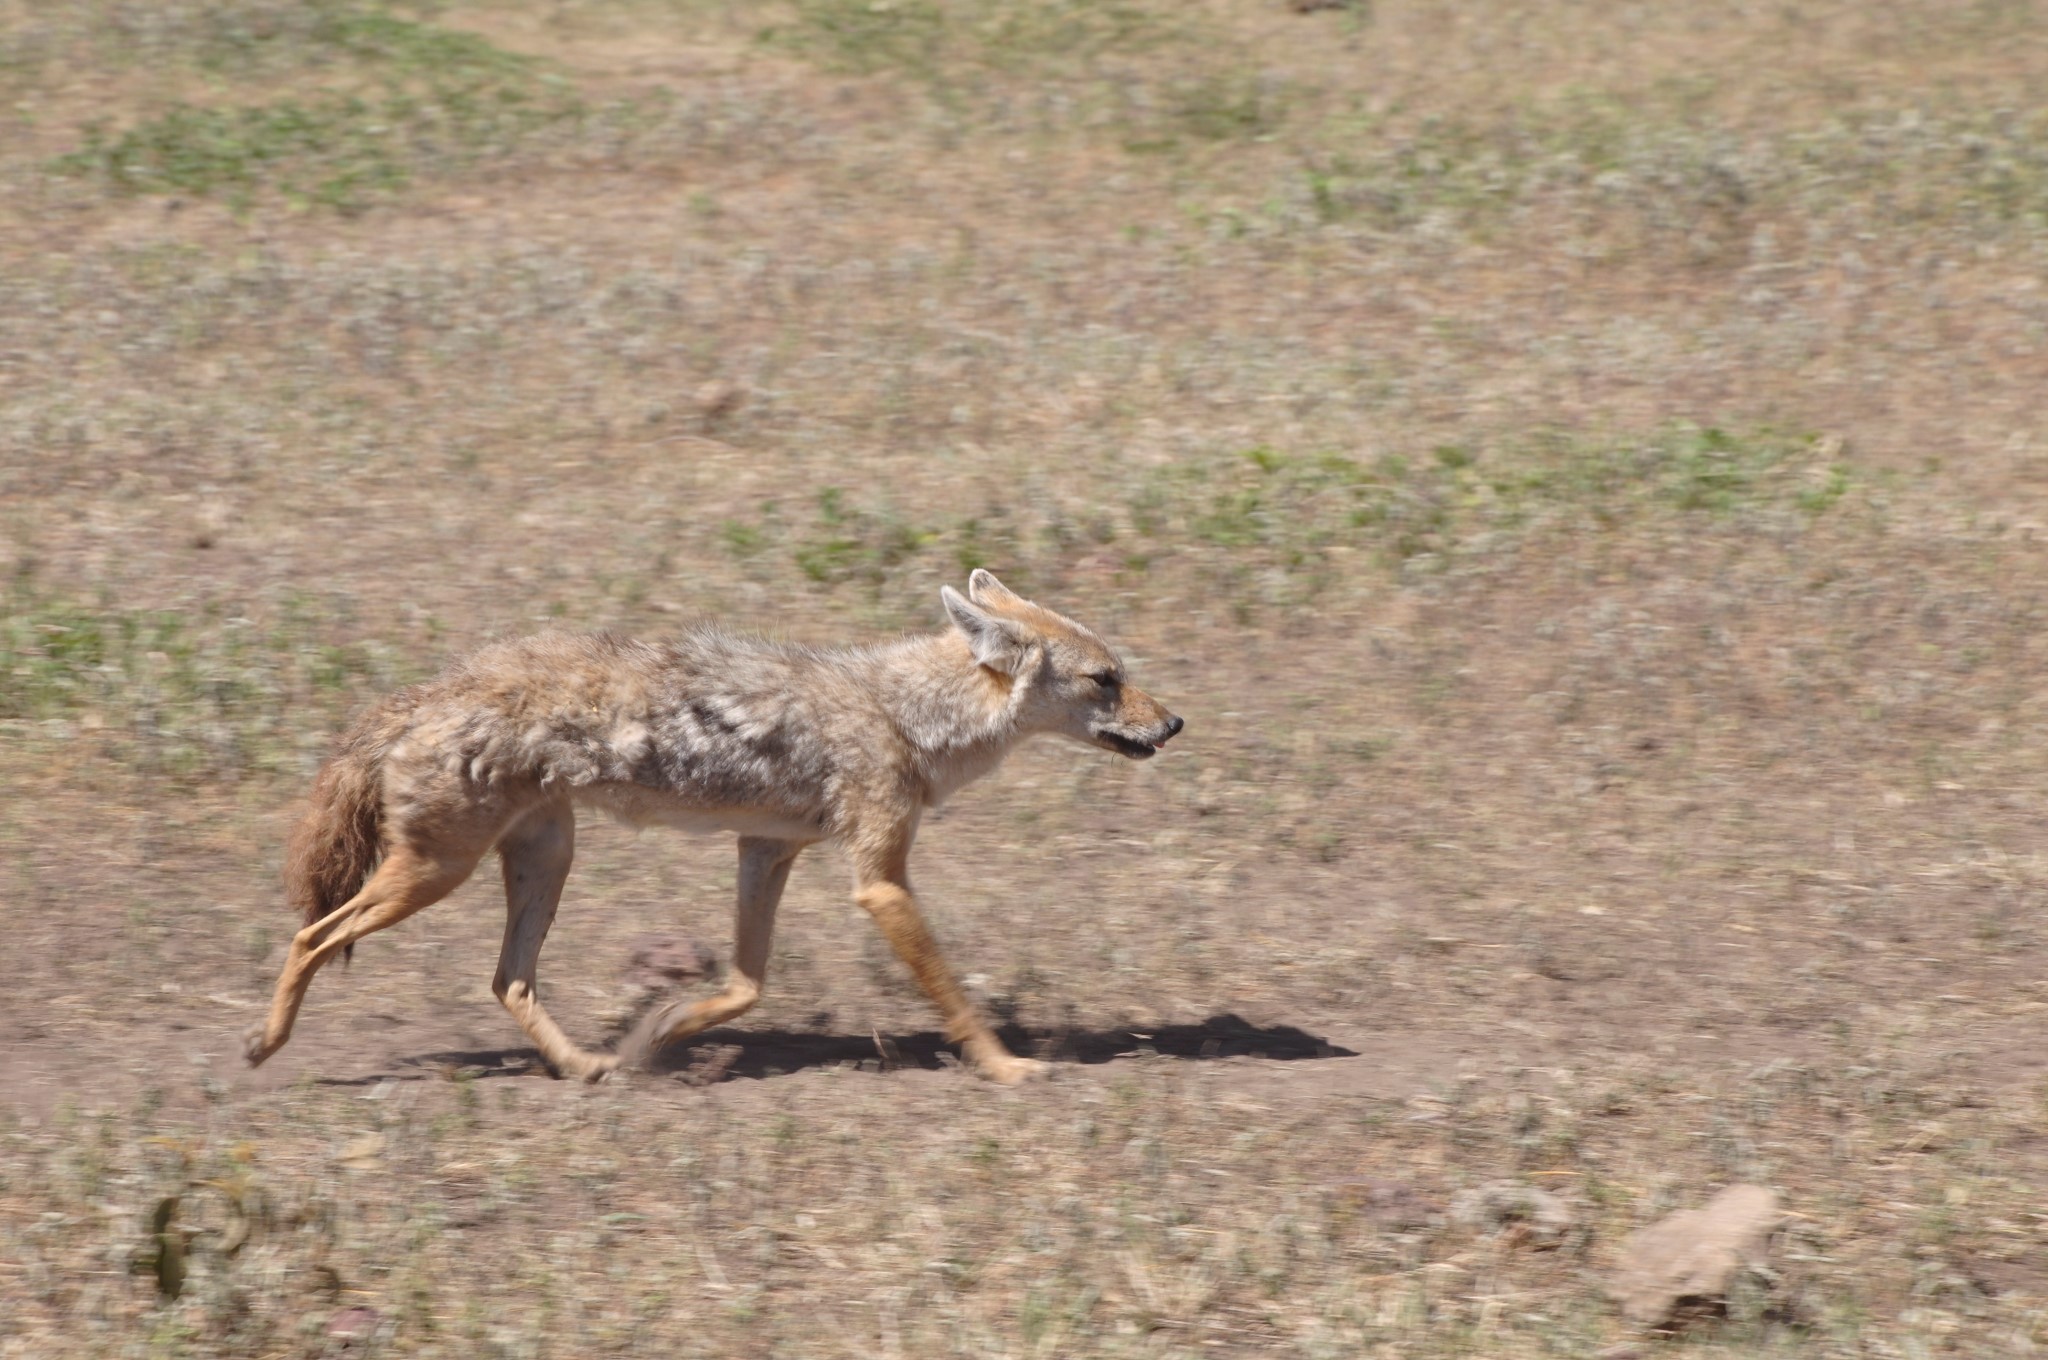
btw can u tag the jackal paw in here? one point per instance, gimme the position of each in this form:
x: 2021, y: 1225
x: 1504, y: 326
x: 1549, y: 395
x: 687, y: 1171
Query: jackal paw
x: 1007, y: 1069
x: 591, y: 1067
x: 256, y: 1047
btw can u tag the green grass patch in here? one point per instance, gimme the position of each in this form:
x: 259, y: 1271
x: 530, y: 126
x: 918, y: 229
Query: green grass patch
x: 1648, y: 176
x: 192, y: 692
x: 1063, y: 65
x: 1272, y: 511
x: 934, y: 39
x: 841, y: 541
x: 848, y: 543
x: 1279, y: 526
x: 408, y: 95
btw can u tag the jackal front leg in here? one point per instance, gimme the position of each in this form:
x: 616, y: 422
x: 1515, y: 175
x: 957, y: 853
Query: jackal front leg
x: 884, y: 894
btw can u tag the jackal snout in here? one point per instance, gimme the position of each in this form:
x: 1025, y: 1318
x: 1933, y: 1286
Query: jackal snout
x: 1139, y: 727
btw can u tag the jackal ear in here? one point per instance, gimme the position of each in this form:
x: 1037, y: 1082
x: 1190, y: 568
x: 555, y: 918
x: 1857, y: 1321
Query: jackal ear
x: 983, y: 588
x: 998, y: 643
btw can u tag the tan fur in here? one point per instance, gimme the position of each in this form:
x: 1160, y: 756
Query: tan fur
x: 786, y: 746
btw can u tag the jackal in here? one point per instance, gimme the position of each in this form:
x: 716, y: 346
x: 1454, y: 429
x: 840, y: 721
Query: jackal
x: 785, y: 745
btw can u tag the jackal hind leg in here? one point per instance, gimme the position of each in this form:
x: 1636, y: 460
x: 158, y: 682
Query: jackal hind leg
x: 764, y: 872
x: 407, y: 881
x: 884, y: 893
x: 535, y: 855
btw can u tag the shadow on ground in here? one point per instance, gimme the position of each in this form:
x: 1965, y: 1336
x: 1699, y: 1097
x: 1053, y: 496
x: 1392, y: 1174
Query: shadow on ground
x: 773, y: 1053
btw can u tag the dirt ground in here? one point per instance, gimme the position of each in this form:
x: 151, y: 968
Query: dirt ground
x: 1579, y: 468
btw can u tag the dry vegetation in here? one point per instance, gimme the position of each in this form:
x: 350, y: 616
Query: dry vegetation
x: 1579, y: 467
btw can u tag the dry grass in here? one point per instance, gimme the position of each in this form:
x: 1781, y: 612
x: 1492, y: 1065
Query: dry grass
x: 1579, y: 470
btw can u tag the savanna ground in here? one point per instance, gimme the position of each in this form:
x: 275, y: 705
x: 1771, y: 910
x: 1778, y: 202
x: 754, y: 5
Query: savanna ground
x: 1580, y: 468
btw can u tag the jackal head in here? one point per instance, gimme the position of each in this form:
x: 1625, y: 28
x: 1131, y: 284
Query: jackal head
x: 1070, y: 682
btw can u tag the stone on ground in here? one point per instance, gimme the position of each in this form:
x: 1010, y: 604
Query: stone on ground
x: 1693, y: 1256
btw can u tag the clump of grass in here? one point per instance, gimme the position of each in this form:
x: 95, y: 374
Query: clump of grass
x: 854, y: 544
x: 1225, y: 106
x: 928, y: 38
x: 866, y: 38
x: 1050, y: 63
x: 427, y: 95
x: 1680, y: 467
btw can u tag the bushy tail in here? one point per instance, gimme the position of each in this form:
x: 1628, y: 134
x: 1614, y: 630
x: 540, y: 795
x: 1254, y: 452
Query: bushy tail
x: 339, y: 840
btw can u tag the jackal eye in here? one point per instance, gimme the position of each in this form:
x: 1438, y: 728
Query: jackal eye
x: 1106, y: 679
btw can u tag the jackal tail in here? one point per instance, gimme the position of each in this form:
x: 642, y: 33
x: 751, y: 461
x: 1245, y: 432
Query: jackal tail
x: 340, y: 838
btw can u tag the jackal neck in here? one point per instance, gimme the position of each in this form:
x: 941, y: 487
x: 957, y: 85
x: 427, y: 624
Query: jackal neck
x: 958, y: 718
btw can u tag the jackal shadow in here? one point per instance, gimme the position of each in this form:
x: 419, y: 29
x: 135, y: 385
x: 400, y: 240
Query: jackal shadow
x: 761, y: 1054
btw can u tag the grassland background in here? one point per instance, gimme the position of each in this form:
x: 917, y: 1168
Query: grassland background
x: 1580, y: 468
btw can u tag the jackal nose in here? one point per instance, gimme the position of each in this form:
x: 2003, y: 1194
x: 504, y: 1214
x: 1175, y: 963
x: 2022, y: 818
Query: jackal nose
x: 1173, y: 727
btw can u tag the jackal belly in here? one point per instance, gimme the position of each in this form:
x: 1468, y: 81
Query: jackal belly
x: 639, y: 805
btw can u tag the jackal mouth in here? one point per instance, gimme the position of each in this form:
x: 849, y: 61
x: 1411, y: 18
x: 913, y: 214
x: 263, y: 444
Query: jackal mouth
x: 1136, y: 749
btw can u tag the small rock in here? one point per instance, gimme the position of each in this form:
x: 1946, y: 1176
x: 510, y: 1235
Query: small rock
x: 364, y: 1154
x: 1390, y: 1206
x: 1541, y: 1218
x: 710, y: 1063
x: 663, y: 960
x: 1694, y: 1255
x: 718, y: 399
x: 168, y: 1258
x: 325, y: 1281
x: 352, y: 1326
